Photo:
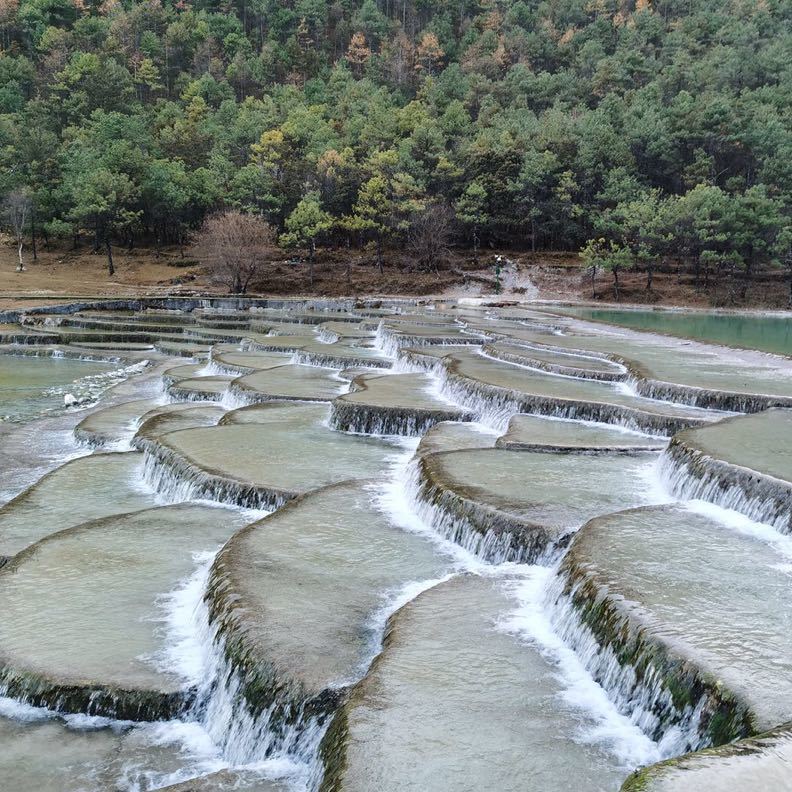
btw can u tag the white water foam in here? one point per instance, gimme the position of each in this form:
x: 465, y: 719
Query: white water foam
x: 392, y: 499
x: 736, y: 521
x: 87, y: 390
x: 218, y: 732
x: 600, y: 722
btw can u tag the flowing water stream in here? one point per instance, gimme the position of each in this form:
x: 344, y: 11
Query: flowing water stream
x: 304, y: 548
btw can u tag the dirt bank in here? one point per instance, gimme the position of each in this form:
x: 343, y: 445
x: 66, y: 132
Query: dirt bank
x: 62, y: 273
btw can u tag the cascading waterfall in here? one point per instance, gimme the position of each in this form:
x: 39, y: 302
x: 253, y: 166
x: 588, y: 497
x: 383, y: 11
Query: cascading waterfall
x: 605, y: 723
x: 705, y: 398
x: 218, y: 368
x: 358, y: 418
x: 390, y: 341
x: 646, y: 700
x: 175, y: 480
x: 561, y: 369
x: 693, y: 475
x: 491, y: 407
x: 492, y: 536
x: 494, y: 405
x: 338, y: 360
x: 243, y: 734
x: 626, y: 730
x: 179, y: 394
x: 386, y: 341
x: 326, y: 336
x: 637, y: 700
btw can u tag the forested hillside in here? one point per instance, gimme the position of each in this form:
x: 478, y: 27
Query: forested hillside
x: 636, y: 130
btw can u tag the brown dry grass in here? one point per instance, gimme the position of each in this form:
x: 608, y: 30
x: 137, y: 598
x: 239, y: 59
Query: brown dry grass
x: 61, y: 273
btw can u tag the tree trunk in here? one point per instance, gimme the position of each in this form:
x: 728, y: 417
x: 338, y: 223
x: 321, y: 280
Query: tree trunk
x: 311, y: 258
x: 379, y: 254
x: 33, y: 235
x: 790, y: 286
x: 616, y: 282
x: 533, y: 235
x: 649, y: 277
x: 475, y: 246
x: 593, y: 283
x: 20, y: 266
x: 748, y: 277
x: 108, y: 248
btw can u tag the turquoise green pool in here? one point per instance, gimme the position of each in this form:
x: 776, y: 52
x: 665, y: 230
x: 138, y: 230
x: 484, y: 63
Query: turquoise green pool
x: 765, y: 333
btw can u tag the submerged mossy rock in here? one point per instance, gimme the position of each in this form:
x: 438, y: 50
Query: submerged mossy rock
x: 518, y: 506
x: 498, y: 389
x: 683, y: 617
x: 261, y: 456
x: 396, y: 404
x: 288, y: 383
x: 756, y: 764
x: 292, y: 599
x: 183, y: 371
x: 84, y: 489
x: 113, y: 423
x: 742, y: 463
x: 537, y: 433
x: 455, y: 702
x: 238, y: 362
x: 156, y: 423
x: 78, y: 612
x: 454, y: 436
x: 45, y: 753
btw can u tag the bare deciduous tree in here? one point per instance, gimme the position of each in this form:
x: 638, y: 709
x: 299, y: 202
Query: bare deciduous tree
x: 429, y: 236
x: 234, y: 245
x: 16, y: 209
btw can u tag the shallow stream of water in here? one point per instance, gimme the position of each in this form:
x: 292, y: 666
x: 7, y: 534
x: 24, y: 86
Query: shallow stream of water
x: 315, y: 548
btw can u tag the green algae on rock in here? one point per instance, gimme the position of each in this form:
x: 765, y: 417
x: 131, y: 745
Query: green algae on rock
x: 452, y: 702
x: 518, y: 505
x: 743, y: 463
x: 685, y: 615
x: 755, y: 764
x: 97, y: 584
x: 294, y: 597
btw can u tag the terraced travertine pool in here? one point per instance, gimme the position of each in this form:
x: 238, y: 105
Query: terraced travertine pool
x: 303, y: 546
